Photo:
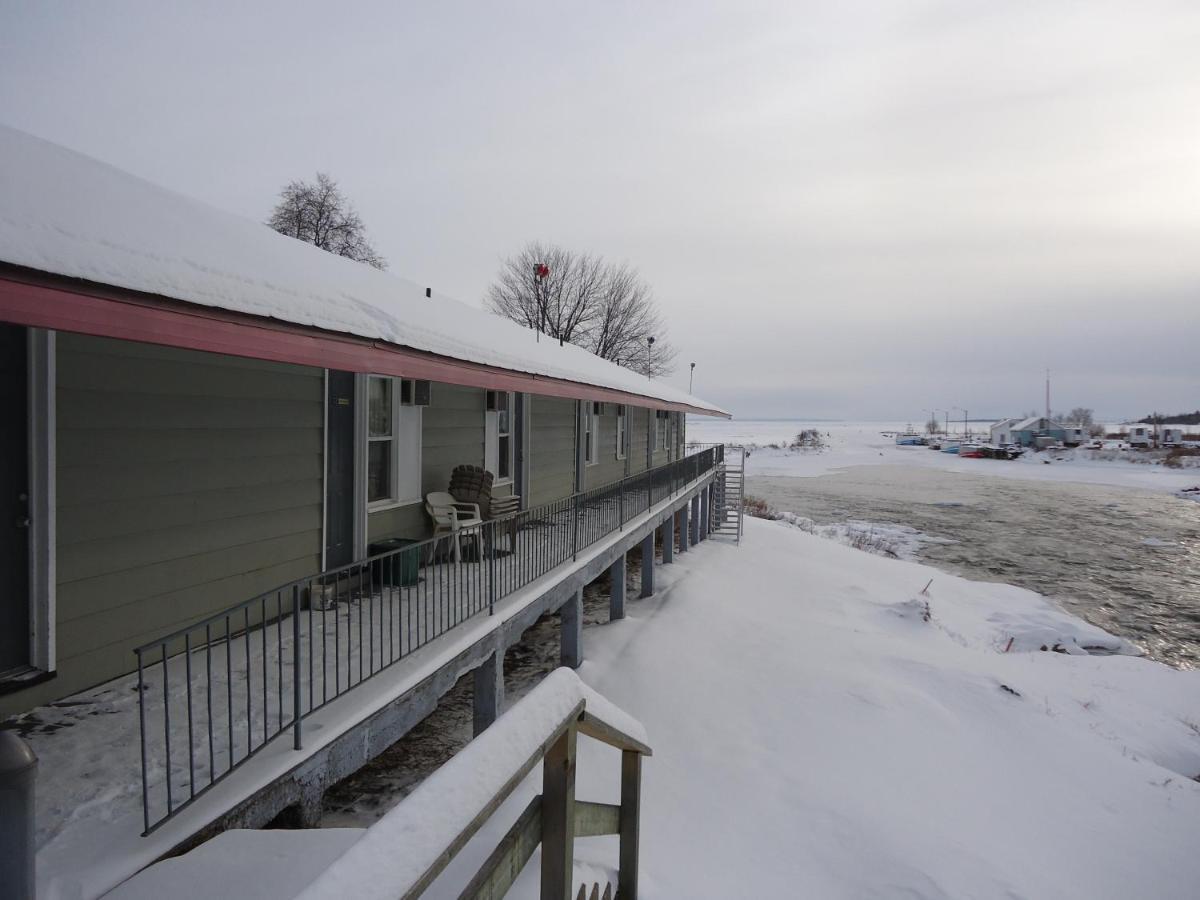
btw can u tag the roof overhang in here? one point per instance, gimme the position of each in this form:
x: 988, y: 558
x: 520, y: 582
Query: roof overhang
x: 29, y: 297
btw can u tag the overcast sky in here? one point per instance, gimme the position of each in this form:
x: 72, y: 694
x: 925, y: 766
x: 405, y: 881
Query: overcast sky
x: 845, y: 210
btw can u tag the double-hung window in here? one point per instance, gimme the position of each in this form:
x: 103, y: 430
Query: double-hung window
x: 662, y: 425
x: 393, y: 442
x: 498, y: 437
x: 591, y: 433
x: 621, y: 431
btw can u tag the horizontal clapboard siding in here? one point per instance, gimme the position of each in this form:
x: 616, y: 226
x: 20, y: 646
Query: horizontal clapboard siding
x: 637, y: 436
x: 607, y: 468
x: 187, y: 482
x: 552, y: 449
x: 452, y: 434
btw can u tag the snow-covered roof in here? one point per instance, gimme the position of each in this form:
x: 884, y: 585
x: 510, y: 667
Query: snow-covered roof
x: 1035, y: 422
x: 1004, y: 423
x: 70, y: 215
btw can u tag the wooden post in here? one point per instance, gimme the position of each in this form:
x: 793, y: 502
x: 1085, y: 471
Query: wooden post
x: 684, y: 529
x: 668, y: 540
x: 631, y: 800
x: 558, y: 818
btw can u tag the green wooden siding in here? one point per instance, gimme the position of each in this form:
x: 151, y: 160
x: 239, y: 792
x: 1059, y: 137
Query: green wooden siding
x: 608, y: 467
x: 637, y: 437
x: 452, y: 434
x: 186, y: 482
x: 552, y: 449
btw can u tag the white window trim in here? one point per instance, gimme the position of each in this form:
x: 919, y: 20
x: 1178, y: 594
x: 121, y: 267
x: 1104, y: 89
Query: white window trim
x: 512, y: 460
x: 591, y: 434
x: 376, y: 506
x: 622, y: 427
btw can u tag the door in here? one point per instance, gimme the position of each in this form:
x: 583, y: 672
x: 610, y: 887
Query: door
x: 14, y: 499
x: 339, y: 470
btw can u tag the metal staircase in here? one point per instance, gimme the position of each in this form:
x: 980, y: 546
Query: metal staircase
x: 731, y: 492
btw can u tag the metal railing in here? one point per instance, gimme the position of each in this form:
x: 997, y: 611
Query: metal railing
x: 226, y: 686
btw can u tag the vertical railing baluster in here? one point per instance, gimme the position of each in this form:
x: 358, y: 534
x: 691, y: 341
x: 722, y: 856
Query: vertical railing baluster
x: 279, y: 658
x: 212, y: 765
x: 249, y: 688
x: 187, y: 655
x: 262, y: 624
x: 167, y: 725
x: 142, y: 731
x: 296, y: 667
x: 229, y: 684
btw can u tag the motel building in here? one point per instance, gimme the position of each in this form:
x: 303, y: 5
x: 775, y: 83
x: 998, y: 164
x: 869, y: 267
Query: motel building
x: 225, y: 467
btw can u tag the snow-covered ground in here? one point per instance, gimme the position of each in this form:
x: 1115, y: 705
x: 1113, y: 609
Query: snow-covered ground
x: 865, y: 444
x: 825, y: 726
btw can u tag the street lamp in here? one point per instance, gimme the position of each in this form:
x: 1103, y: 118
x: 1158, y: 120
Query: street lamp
x: 691, y: 375
x: 965, y: 414
x: 649, y: 346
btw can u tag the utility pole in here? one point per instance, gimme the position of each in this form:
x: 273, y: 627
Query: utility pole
x: 1047, y: 393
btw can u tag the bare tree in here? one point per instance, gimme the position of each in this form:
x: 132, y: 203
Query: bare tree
x: 318, y: 213
x: 581, y: 299
x: 1081, y: 416
x: 932, y: 426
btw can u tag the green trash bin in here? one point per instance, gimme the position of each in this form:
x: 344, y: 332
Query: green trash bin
x: 400, y: 569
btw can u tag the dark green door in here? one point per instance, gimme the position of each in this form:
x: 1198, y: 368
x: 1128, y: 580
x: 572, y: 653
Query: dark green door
x: 339, y: 471
x: 14, y: 499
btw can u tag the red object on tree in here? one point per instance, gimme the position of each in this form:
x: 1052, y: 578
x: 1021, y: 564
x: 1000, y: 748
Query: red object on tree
x: 541, y: 270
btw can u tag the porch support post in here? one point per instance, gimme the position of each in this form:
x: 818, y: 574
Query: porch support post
x: 558, y: 818
x: 684, y: 525
x: 648, y: 565
x: 571, y: 644
x: 704, y: 514
x: 668, y: 539
x: 616, y: 591
x: 695, y: 504
x: 489, y: 691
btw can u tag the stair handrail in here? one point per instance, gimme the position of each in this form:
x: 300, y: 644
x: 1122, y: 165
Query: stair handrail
x: 542, y: 727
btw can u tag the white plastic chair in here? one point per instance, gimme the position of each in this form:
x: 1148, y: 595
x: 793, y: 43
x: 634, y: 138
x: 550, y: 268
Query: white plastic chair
x: 450, y: 517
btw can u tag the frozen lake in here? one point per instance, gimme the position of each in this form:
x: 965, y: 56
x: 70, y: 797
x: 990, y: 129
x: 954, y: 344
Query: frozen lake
x: 1107, y: 540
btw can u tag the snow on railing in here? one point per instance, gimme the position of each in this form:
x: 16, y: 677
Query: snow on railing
x: 403, y: 853
x: 214, y: 694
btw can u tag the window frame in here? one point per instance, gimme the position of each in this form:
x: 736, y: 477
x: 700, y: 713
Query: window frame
x: 622, y: 426
x: 405, y: 413
x: 591, y: 433
x: 491, y: 406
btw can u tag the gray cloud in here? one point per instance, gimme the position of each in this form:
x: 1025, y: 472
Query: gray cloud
x: 845, y: 209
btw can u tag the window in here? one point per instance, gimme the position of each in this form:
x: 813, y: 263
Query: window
x: 621, y: 432
x: 661, y: 428
x: 498, y: 439
x: 393, y: 442
x: 591, y: 433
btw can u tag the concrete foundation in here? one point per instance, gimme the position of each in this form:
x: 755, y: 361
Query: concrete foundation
x: 571, y: 649
x: 616, y: 591
x: 647, y: 565
x: 668, y: 540
x: 488, y: 695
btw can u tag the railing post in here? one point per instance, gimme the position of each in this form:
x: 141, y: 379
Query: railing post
x: 492, y: 570
x: 296, y: 666
x: 18, y: 772
x: 142, y: 730
x: 575, y: 531
x: 631, y: 802
x: 622, y: 505
x: 558, y: 817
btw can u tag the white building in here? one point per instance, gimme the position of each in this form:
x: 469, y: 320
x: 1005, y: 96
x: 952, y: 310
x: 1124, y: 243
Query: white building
x: 1141, y: 435
x: 1172, y: 436
x: 1001, y: 432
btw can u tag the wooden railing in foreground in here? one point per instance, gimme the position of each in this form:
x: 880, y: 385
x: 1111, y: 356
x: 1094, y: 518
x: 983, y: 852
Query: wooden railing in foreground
x: 555, y: 818
x: 403, y: 853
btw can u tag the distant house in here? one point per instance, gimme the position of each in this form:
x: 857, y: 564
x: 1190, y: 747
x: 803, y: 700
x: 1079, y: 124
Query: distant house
x: 1172, y: 436
x: 1075, y: 435
x: 1038, y: 431
x: 1141, y: 435
x: 1002, y: 431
